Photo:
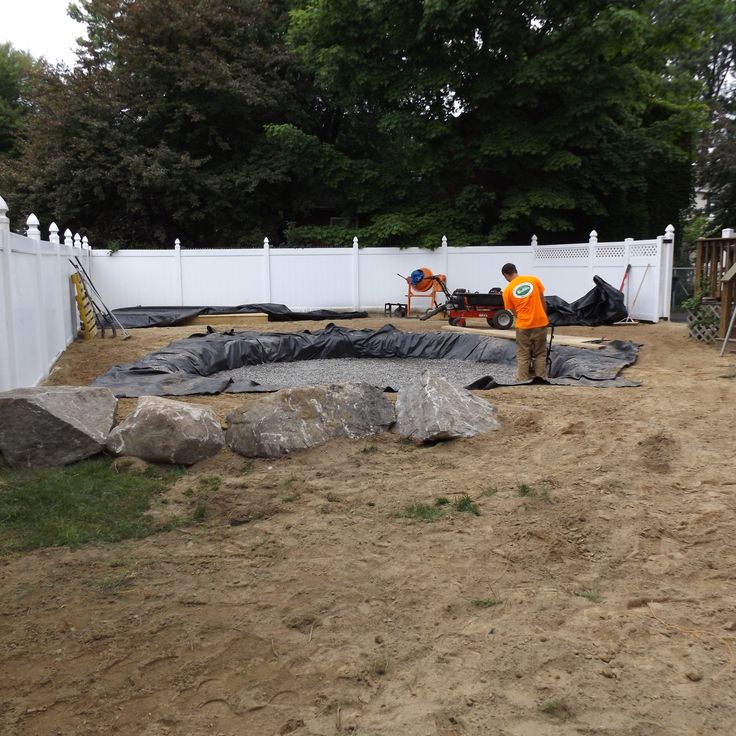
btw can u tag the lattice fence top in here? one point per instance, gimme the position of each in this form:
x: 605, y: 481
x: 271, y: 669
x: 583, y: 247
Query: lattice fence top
x: 562, y: 253
x: 610, y: 251
x: 644, y: 249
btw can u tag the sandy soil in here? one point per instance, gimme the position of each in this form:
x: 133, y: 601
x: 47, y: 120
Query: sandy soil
x: 303, y: 605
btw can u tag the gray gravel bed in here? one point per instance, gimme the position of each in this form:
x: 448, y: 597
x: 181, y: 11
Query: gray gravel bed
x: 382, y: 372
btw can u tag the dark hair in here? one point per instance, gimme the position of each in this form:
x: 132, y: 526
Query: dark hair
x: 508, y: 269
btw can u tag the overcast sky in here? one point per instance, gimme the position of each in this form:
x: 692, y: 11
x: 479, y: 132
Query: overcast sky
x: 40, y: 27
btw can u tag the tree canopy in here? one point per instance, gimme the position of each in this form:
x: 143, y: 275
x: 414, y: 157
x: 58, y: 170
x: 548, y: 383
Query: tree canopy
x: 311, y: 121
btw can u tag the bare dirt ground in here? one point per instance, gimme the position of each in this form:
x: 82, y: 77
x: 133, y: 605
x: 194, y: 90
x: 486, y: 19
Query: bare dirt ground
x: 303, y: 605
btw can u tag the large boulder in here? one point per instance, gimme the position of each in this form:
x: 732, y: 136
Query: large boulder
x: 297, y: 418
x: 432, y: 409
x: 165, y: 431
x: 54, y: 425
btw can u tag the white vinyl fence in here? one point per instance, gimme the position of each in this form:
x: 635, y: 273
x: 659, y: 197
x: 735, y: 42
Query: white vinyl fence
x: 367, y: 278
x: 38, y: 313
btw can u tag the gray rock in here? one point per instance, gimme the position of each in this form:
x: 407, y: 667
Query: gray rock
x: 433, y: 409
x: 54, y: 425
x: 297, y: 418
x: 165, y: 431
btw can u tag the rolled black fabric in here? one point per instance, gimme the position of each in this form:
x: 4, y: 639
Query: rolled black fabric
x: 130, y: 317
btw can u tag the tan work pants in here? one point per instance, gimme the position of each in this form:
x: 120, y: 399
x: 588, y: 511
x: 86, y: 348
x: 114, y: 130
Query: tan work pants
x: 531, y: 344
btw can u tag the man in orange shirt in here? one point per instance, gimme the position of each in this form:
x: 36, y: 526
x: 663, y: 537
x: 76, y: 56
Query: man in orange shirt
x: 524, y: 296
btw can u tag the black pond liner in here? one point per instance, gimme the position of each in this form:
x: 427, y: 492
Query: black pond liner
x: 192, y: 365
x: 130, y: 317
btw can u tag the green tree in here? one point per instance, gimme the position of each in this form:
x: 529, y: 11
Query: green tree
x: 501, y: 119
x: 15, y: 68
x: 157, y: 132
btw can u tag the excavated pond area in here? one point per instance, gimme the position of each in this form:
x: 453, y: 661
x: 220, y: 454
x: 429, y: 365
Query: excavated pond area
x: 242, y: 362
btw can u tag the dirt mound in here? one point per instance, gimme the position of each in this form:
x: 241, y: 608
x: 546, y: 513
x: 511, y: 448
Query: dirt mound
x: 591, y: 593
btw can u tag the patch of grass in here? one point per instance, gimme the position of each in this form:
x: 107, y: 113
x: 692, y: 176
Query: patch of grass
x: 199, y: 513
x: 486, y: 602
x: 291, y: 498
x: 546, y: 497
x: 445, y: 465
x: 420, y: 512
x: 369, y: 450
x: 78, y: 504
x: 288, y: 482
x: 489, y: 491
x: 371, y: 503
x: 380, y: 666
x: 557, y: 709
x: 210, y: 483
x: 465, y: 504
x: 592, y: 594
x: 111, y: 586
x: 248, y: 467
x: 526, y: 491
x: 441, y: 501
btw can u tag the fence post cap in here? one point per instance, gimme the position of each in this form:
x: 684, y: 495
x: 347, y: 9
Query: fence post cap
x: 177, y: 244
x: 593, y: 234
x: 3, y: 206
x: 85, y: 241
x: 67, y: 233
x: 53, y: 228
x: 355, y: 241
x: 265, y: 242
x: 32, y: 220
x: 534, y: 240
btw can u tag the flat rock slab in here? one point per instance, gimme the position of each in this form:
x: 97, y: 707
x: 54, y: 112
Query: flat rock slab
x: 54, y: 425
x: 432, y: 409
x: 298, y: 418
x: 166, y: 431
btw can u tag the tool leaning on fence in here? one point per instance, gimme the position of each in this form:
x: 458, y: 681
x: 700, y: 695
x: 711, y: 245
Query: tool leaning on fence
x: 103, y: 316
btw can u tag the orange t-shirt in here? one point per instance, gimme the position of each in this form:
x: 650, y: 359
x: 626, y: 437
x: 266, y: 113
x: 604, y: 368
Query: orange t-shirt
x: 524, y: 296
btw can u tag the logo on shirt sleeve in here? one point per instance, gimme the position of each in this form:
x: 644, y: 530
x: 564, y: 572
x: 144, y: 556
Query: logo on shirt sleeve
x: 523, y: 289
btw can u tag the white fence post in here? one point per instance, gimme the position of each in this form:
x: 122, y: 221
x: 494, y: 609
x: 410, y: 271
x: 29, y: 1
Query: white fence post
x: 592, y: 242
x: 42, y: 341
x: 627, y: 257
x: 69, y: 243
x: 534, y: 241
x: 356, y: 274
x: 267, y: 269
x: 8, y: 364
x: 178, y: 275
x: 61, y: 279
x: 445, y: 258
x: 668, y: 259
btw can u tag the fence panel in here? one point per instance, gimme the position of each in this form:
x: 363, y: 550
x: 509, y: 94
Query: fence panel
x: 366, y: 278
x: 221, y: 278
x: 38, y: 316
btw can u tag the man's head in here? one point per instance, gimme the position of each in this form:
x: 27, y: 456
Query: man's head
x: 509, y: 271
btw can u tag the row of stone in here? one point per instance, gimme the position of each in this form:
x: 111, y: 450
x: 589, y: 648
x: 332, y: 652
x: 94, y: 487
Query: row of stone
x: 48, y: 426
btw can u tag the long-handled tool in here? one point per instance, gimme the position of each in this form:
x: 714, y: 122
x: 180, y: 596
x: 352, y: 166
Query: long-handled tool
x: 113, y: 320
x: 549, y: 351
x: 727, y: 336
